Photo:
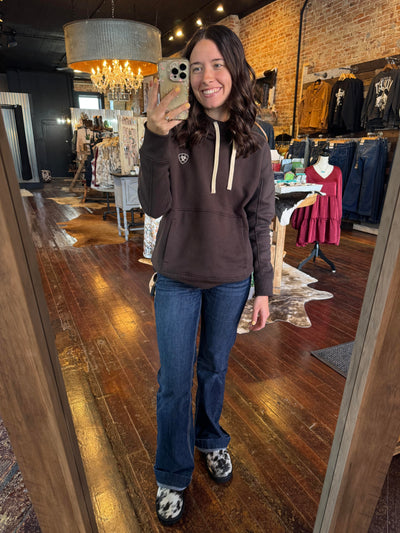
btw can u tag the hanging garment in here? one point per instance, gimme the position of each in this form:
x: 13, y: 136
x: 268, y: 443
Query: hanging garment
x: 364, y: 192
x: 320, y: 222
x: 313, y: 109
x: 382, y: 104
x: 106, y: 160
x: 345, y: 106
x: 300, y: 149
x: 268, y: 130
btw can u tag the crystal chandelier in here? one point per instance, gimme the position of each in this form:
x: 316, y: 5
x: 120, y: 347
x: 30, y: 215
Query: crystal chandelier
x: 117, y: 53
x: 116, y: 80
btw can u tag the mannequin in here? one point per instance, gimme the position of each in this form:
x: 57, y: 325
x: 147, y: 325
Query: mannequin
x: 322, y: 166
x: 320, y: 222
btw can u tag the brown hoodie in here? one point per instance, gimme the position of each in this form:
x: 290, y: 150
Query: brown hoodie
x: 216, y: 209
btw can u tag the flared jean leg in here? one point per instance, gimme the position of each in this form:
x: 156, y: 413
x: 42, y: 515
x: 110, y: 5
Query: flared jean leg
x: 221, y: 311
x: 177, y: 309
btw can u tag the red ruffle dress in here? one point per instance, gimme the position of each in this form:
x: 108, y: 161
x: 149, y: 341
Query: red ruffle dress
x: 320, y: 222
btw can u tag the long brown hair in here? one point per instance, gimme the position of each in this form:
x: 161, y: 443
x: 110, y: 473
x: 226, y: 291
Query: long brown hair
x: 241, y: 105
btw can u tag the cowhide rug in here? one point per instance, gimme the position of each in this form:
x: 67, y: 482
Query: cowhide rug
x: 75, y: 201
x: 92, y: 230
x: 16, y: 511
x: 288, y: 306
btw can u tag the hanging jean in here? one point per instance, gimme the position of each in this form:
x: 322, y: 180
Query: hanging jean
x: 300, y: 150
x: 364, y: 192
x: 342, y: 155
x: 178, y: 308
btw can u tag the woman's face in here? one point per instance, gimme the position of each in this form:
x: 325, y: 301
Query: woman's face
x: 210, y: 79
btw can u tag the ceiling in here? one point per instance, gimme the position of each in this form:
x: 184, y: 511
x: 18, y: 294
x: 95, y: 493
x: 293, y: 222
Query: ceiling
x: 38, y: 24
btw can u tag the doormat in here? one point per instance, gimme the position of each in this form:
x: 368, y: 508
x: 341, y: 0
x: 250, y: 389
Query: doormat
x: 337, y: 357
x: 289, y: 305
x: 92, y: 230
x: 76, y: 201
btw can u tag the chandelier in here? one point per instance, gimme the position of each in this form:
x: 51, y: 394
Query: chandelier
x: 117, y: 53
x: 116, y: 80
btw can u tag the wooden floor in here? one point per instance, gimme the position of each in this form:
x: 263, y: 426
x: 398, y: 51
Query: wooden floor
x: 281, y: 403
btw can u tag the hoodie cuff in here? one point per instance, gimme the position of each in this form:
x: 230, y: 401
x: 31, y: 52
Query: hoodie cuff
x: 155, y: 146
x: 264, y: 285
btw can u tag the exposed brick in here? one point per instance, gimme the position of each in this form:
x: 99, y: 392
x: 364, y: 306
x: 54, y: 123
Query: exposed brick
x: 335, y: 34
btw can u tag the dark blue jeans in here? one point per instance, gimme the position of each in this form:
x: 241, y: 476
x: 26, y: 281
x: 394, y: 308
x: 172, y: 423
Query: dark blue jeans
x: 178, y: 309
x: 342, y: 155
x: 300, y: 150
x: 364, y: 192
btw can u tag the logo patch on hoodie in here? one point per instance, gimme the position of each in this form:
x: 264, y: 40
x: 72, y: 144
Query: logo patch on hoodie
x: 183, y: 158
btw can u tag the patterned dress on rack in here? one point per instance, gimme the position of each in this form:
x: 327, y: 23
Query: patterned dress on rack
x: 320, y: 222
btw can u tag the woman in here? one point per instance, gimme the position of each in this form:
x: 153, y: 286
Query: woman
x: 210, y: 177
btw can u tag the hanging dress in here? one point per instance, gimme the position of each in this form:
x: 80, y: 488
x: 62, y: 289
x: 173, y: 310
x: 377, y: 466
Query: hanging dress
x: 320, y: 222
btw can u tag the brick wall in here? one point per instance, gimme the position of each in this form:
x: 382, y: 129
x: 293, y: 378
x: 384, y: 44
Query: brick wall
x: 335, y: 34
x: 84, y: 86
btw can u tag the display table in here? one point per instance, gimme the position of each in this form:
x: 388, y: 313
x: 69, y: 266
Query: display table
x: 279, y: 234
x: 126, y: 198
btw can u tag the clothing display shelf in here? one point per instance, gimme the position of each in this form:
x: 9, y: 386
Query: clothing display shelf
x: 126, y: 199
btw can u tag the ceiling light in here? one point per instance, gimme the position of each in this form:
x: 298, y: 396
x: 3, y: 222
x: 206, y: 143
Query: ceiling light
x: 179, y: 33
x: 220, y: 8
x: 117, y: 53
x: 171, y: 38
x: 199, y: 22
x: 1, y: 17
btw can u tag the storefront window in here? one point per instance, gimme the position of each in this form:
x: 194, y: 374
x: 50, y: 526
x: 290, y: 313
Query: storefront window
x: 89, y: 101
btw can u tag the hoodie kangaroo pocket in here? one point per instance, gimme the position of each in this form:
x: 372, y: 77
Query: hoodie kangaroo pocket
x: 207, y: 245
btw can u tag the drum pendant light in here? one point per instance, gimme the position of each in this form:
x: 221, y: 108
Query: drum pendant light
x: 117, y: 53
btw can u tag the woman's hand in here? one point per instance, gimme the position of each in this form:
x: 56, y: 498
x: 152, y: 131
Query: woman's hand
x: 260, y: 313
x: 160, y: 118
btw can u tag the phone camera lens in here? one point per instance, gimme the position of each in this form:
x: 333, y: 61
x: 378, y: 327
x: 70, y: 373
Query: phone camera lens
x: 182, y: 66
x: 175, y: 71
x: 182, y: 75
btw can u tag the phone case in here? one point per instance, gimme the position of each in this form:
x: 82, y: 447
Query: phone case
x: 170, y: 73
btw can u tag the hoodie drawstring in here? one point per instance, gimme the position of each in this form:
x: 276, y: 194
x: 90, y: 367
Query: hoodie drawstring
x: 216, y: 159
x: 232, y: 167
x: 216, y: 162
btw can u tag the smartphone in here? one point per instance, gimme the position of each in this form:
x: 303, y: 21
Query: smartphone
x: 172, y: 72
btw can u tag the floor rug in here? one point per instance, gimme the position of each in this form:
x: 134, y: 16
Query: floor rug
x: 337, y: 357
x: 288, y: 306
x: 76, y: 201
x: 16, y: 511
x: 24, y: 192
x: 92, y: 230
